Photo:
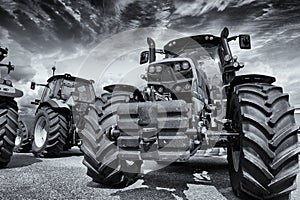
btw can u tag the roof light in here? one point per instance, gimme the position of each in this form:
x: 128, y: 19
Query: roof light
x: 227, y: 58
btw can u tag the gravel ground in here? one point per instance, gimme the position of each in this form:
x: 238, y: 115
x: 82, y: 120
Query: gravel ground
x: 27, y: 177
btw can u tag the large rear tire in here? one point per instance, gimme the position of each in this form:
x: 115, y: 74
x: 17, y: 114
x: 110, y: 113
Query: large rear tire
x: 49, y: 133
x: 22, y: 143
x: 263, y: 161
x: 8, y: 129
x: 100, y: 150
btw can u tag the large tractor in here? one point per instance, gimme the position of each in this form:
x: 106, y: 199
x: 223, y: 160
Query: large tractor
x: 194, y: 100
x: 8, y: 113
x: 60, y: 113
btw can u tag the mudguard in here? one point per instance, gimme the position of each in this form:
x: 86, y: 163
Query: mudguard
x: 124, y: 87
x: 248, y: 78
x: 7, y: 91
x: 251, y: 78
x: 55, y: 104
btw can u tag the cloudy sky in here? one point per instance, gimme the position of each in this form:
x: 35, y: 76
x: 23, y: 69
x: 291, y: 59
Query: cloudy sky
x: 70, y: 34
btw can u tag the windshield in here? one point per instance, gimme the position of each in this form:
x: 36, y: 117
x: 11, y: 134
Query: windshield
x: 83, y: 90
x: 207, y: 65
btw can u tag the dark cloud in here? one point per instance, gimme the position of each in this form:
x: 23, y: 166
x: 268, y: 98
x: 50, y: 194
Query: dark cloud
x: 39, y: 33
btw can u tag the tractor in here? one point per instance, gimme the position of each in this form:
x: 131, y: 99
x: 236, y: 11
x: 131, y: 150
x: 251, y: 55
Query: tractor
x: 58, y: 118
x: 8, y: 113
x: 195, y: 100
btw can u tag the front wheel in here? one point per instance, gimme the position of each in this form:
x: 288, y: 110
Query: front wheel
x: 263, y: 160
x: 8, y: 130
x: 49, y: 133
x: 101, y: 152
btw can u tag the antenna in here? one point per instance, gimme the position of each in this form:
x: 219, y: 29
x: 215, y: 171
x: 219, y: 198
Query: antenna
x: 53, y: 69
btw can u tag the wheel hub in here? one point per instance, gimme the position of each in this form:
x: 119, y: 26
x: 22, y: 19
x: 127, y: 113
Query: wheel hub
x: 40, y: 132
x: 18, y: 140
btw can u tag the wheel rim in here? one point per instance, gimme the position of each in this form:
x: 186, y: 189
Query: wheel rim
x: 18, y: 140
x: 40, y: 132
x: 235, y: 159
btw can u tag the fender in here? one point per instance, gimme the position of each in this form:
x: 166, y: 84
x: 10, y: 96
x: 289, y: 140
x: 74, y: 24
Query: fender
x: 126, y: 88
x: 243, y: 79
x: 7, y: 91
x: 248, y: 78
x: 251, y: 78
x: 55, y: 104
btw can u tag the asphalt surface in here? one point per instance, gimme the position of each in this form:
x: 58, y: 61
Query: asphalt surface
x: 201, y: 178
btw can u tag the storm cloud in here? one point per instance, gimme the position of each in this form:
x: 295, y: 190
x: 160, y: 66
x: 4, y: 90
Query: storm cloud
x: 40, y: 34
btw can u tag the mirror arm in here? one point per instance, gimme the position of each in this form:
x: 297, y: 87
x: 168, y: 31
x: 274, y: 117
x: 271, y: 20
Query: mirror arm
x: 43, y: 85
x: 232, y: 38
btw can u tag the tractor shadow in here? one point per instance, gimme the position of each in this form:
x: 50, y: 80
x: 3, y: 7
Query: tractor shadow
x: 172, y: 182
x: 22, y: 160
x: 69, y: 153
x: 64, y: 154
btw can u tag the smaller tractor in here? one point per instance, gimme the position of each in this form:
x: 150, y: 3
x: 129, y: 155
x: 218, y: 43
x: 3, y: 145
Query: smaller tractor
x: 58, y: 118
x: 8, y: 113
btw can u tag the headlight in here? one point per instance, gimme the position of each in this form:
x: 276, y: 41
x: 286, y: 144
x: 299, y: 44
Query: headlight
x: 178, y: 88
x: 151, y: 69
x: 185, y: 65
x: 177, y: 67
x: 159, y: 69
x: 187, y: 86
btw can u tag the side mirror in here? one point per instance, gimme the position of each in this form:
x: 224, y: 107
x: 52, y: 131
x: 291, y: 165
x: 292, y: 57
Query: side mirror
x: 3, y: 53
x: 32, y: 86
x: 245, y: 41
x: 144, y: 57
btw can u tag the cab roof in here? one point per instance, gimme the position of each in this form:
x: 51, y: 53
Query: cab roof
x: 68, y: 77
x: 206, y: 40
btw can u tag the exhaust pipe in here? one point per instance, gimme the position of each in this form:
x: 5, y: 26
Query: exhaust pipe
x: 152, y: 50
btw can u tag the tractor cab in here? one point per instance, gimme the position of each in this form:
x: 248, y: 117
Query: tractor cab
x: 64, y: 87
